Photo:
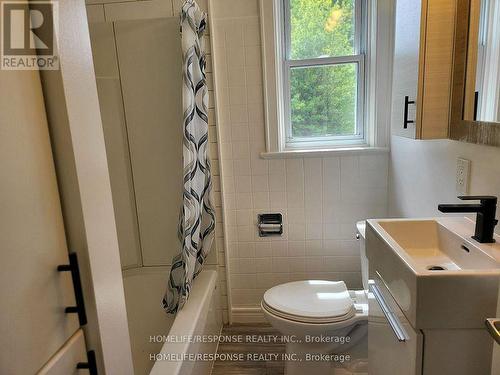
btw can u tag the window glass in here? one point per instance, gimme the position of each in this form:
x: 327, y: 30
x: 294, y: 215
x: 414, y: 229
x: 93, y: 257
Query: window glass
x: 323, y: 100
x: 321, y: 28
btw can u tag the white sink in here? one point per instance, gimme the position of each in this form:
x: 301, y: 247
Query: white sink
x: 429, y: 243
x: 433, y: 266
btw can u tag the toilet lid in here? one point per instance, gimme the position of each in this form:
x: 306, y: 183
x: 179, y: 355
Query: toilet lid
x: 311, y: 300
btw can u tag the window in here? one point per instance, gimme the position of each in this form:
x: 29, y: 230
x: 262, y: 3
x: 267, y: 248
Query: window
x: 318, y: 73
x: 323, y: 72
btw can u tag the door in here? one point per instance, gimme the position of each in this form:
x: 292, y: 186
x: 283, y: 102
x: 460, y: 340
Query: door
x: 33, y: 295
x: 406, y: 67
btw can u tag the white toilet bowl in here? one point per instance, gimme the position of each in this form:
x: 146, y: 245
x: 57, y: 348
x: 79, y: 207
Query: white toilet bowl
x: 324, y: 325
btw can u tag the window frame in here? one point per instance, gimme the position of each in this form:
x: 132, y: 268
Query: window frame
x: 286, y: 65
x: 378, y: 85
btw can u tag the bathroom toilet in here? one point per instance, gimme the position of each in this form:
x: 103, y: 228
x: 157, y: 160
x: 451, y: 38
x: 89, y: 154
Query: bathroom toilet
x: 324, y: 325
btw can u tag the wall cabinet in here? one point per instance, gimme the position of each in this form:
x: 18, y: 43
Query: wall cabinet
x: 422, y: 68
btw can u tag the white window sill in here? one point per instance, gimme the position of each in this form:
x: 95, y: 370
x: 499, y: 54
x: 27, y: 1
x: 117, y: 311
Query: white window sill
x: 312, y: 153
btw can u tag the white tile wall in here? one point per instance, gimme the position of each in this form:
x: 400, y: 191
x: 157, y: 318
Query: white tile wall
x: 321, y: 198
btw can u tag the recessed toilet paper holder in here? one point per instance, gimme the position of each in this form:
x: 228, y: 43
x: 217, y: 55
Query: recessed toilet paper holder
x: 270, y: 224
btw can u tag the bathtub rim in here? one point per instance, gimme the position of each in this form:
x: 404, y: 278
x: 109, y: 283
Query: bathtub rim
x: 187, y: 317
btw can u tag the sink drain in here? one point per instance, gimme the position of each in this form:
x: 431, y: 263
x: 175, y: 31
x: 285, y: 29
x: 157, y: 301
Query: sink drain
x: 436, y: 268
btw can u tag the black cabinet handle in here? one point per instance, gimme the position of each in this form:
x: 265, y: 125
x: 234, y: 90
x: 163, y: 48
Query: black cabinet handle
x: 91, y: 364
x: 476, y: 104
x: 406, y: 121
x: 77, y: 285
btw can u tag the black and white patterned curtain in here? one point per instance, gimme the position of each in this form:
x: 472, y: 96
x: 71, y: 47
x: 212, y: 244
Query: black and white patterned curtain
x: 197, y: 218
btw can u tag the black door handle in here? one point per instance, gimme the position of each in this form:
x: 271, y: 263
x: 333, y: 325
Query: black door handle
x: 77, y: 285
x: 91, y: 364
x: 406, y: 121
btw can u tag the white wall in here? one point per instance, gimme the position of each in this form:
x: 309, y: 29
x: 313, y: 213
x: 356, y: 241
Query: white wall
x: 422, y: 174
x: 321, y: 198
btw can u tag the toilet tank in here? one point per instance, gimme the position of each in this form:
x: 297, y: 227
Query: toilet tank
x: 361, y: 230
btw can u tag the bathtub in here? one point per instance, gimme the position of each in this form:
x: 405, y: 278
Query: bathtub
x: 157, y: 337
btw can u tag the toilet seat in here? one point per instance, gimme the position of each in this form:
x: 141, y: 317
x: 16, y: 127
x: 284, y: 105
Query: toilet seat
x: 311, y: 301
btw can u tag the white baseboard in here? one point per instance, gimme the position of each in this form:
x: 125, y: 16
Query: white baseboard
x: 247, y: 315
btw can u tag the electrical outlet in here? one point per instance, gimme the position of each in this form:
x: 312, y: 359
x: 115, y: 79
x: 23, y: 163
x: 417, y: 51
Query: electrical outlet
x: 463, y: 173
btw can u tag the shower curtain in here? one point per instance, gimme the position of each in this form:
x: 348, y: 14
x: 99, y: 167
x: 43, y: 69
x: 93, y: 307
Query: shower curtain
x: 197, y: 218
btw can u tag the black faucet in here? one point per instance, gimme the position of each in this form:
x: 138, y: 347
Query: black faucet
x: 486, y: 212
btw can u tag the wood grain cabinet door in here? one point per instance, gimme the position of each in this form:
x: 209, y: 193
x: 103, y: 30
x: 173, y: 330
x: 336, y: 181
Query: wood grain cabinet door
x: 33, y: 295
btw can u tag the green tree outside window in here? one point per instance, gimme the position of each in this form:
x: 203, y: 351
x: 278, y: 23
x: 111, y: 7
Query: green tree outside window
x: 323, y: 98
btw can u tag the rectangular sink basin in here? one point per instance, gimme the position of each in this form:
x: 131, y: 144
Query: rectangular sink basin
x: 435, y: 268
x: 430, y: 247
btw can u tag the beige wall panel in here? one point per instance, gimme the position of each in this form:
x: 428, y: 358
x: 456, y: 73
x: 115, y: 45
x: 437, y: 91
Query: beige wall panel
x: 95, y: 13
x: 117, y: 151
x: 106, y: 1
x: 140, y: 10
x: 115, y: 134
x: 33, y: 325
x: 102, y: 39
x: 150, y: 66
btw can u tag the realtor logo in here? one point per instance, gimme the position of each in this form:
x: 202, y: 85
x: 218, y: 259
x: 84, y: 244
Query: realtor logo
x: 28, y: 35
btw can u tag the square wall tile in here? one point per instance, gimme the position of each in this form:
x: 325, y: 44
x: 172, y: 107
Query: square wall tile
x: 277, y: 182
x: 277, y: 167
x: 242, y: 167
x: 261, y: 200
x: 252, y: 32
x: 277, y: 201
x: 296, y: 248
x: 263, y: 249
x: 259, y: 166
x: 281, y: 265
x: 260, y: 183
x: 246, y: 250
x: 263, y: 265
x: 244, y: 217
x: 241, y: 133
x: 279, y: 248
x: 295, y: 199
